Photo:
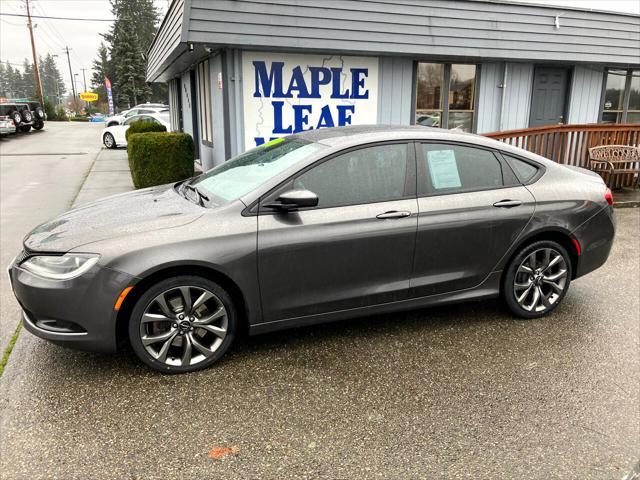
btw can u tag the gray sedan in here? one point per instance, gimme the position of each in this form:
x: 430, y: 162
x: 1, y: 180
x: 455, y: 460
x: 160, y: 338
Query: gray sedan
x: 319, y: 226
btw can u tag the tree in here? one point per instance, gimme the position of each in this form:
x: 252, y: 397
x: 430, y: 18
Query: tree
x: 52, y: 84
x: 129, y: 38
x: 101, y: 68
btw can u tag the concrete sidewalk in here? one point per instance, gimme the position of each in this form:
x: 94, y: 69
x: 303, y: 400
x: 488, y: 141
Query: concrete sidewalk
x: 109, y: 175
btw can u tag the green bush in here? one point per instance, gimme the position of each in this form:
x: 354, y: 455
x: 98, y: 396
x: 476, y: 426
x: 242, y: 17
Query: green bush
x: 142, y: 126
x: 156, y: 158
x: 79, y: 119
x: 61, y: 114
x: 50, y: 110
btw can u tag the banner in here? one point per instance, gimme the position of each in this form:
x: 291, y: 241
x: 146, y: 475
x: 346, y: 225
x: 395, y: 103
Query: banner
x: 290, y: 93
x: 88, y: 96
x: 107, y: 85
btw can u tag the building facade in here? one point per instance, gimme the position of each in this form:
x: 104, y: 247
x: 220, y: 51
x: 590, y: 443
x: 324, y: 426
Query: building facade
x: 242, y: 72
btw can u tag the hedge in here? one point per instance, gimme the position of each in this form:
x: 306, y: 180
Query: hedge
x: 78, y: 119
x: 157, y: 158
x: 142, y: 126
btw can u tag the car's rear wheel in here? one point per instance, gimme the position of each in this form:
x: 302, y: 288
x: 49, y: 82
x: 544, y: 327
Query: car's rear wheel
x: 27, y: 116
x: 108, y: 140
x: 182, y: 324
x: 17, y: 119
x: 537, y: 279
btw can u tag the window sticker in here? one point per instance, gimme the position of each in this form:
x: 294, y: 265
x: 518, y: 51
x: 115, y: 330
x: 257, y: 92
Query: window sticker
x: 443, y: 169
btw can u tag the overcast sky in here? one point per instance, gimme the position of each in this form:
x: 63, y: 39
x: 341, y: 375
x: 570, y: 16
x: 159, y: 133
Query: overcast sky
x: 83, y: 37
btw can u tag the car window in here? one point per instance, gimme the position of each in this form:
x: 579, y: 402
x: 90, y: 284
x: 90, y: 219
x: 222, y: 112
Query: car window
x: 367, y: 175
x: 138, y: 118
x: 246, y: 172
x: 458, y: 168
x: 525, y: 171
x: 142, y: 110
x: 131, y: 113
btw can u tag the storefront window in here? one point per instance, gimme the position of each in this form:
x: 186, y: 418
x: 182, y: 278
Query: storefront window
x: 461, y: 97
x: 430, y: 85
x: 621, y: 102
x: 445, y: 95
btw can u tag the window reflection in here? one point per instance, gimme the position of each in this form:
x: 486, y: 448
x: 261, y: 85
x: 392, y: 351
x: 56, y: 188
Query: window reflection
x: 429, y: 88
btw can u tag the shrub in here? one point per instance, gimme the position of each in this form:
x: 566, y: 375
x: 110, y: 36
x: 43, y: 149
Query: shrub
x: 50, y: 110
x: 61, y: 114
x: 142, y: 126
x: 156, y: 158
x: 78, y: 119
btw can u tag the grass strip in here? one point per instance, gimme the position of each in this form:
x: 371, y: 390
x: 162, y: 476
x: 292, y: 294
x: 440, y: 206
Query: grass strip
x: 7, y: 351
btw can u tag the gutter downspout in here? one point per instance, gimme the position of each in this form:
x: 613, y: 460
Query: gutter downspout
x: 504, y: 93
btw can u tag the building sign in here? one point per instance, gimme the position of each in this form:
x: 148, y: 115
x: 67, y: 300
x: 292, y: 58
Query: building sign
x: 290, y: 93
x: 88, y: 96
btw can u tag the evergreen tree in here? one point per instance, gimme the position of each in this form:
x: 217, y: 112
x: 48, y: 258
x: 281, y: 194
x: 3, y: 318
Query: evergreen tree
x: 129, y: 37
x: 51, y: 79
x: 101, y: 68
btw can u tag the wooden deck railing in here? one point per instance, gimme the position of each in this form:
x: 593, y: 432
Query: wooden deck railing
x: 569, y: 144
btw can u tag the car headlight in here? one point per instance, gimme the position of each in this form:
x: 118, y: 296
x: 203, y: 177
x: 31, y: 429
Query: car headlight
x: 60, y: 267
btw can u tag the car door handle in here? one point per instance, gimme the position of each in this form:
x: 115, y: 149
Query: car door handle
x: 394, y: 214
x: 507, y: 203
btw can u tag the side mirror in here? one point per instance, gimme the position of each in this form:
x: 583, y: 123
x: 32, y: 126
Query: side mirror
x: 294, y: 199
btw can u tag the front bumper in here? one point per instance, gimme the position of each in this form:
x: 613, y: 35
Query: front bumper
x: 77, y: 313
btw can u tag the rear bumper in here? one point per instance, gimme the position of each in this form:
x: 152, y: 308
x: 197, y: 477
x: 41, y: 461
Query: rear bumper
x: 596, y: 239
x: 77, y: 313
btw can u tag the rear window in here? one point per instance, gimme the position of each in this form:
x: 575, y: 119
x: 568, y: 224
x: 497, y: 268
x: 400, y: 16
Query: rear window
x: 525, y: 171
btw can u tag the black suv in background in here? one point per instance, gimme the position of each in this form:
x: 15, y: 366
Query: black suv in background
x: 24, y: 114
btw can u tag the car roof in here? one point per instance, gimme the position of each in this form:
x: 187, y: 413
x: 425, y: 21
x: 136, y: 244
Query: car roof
x: 354, y: 135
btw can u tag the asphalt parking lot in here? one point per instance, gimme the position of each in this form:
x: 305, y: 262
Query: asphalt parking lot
x: 454, y: 392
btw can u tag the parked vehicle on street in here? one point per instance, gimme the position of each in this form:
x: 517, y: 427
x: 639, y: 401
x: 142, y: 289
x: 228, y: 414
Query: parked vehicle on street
x: 114, y: 136
x: 142, y: 109
x: 38, y: 115
x: 20, y: 114
x: 7, y: 126
x: 318, y: 226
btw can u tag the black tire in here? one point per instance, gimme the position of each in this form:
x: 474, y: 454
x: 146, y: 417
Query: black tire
x: 39, y: 113
x: 17, y: 118
x: 38, y: 125
x: 147, y: 299
x: 548, y: 296
x: 109, y: 141
x: 24, y: 128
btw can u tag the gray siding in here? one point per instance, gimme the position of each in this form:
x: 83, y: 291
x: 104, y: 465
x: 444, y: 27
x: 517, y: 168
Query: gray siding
x: 217, y: 111
x: 586, y: 92
x: 395, y: 83
x: 168, y: 38
x: 489, y: 97
x: 462, y: 28
x: 187, y: 103
x: 233, y: 92
x: 517, y: 96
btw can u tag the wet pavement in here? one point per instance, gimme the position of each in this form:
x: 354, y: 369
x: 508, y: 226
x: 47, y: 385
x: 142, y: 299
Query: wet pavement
x: 459, y: 392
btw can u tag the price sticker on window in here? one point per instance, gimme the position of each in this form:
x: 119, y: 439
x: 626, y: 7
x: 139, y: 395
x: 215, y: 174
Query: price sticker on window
x: 443, y: 169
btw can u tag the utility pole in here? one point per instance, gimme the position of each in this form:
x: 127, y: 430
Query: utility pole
x: 36, y: 73
x: 84, y: 82
x: 73, y: 85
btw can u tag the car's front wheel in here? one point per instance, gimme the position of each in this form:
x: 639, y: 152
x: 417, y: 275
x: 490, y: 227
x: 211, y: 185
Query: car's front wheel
x: 108, y: 140
x: 182, y: 324
x: 537, y: 279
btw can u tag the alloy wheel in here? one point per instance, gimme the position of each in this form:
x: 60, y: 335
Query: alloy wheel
x: 109, y: 140
x: 183, y: 326
x: 540, y: 280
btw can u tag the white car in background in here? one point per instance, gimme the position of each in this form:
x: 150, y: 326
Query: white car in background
x: 142, y: 109
x: 114, y: 136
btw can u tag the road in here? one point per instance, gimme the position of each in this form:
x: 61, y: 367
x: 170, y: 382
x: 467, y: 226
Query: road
x: 457, y: 392
x: 40, y: 175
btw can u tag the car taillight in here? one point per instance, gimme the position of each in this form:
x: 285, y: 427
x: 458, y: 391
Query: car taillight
x: 608, y: 196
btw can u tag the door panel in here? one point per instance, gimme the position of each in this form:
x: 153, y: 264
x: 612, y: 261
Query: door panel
x: 549, y: 95
x: 323, y: 260
x: 462, y: 236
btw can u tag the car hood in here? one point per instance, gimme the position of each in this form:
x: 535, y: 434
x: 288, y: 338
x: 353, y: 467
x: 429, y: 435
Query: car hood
x: 113, y: 217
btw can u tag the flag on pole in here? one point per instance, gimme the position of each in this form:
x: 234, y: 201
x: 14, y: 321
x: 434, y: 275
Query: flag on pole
x: 107, y: 85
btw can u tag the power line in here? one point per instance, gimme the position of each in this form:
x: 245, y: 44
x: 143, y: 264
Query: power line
x: 60, y: 18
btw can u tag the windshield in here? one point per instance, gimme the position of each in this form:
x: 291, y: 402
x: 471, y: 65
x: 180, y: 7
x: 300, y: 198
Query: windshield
x: 248, y: 171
